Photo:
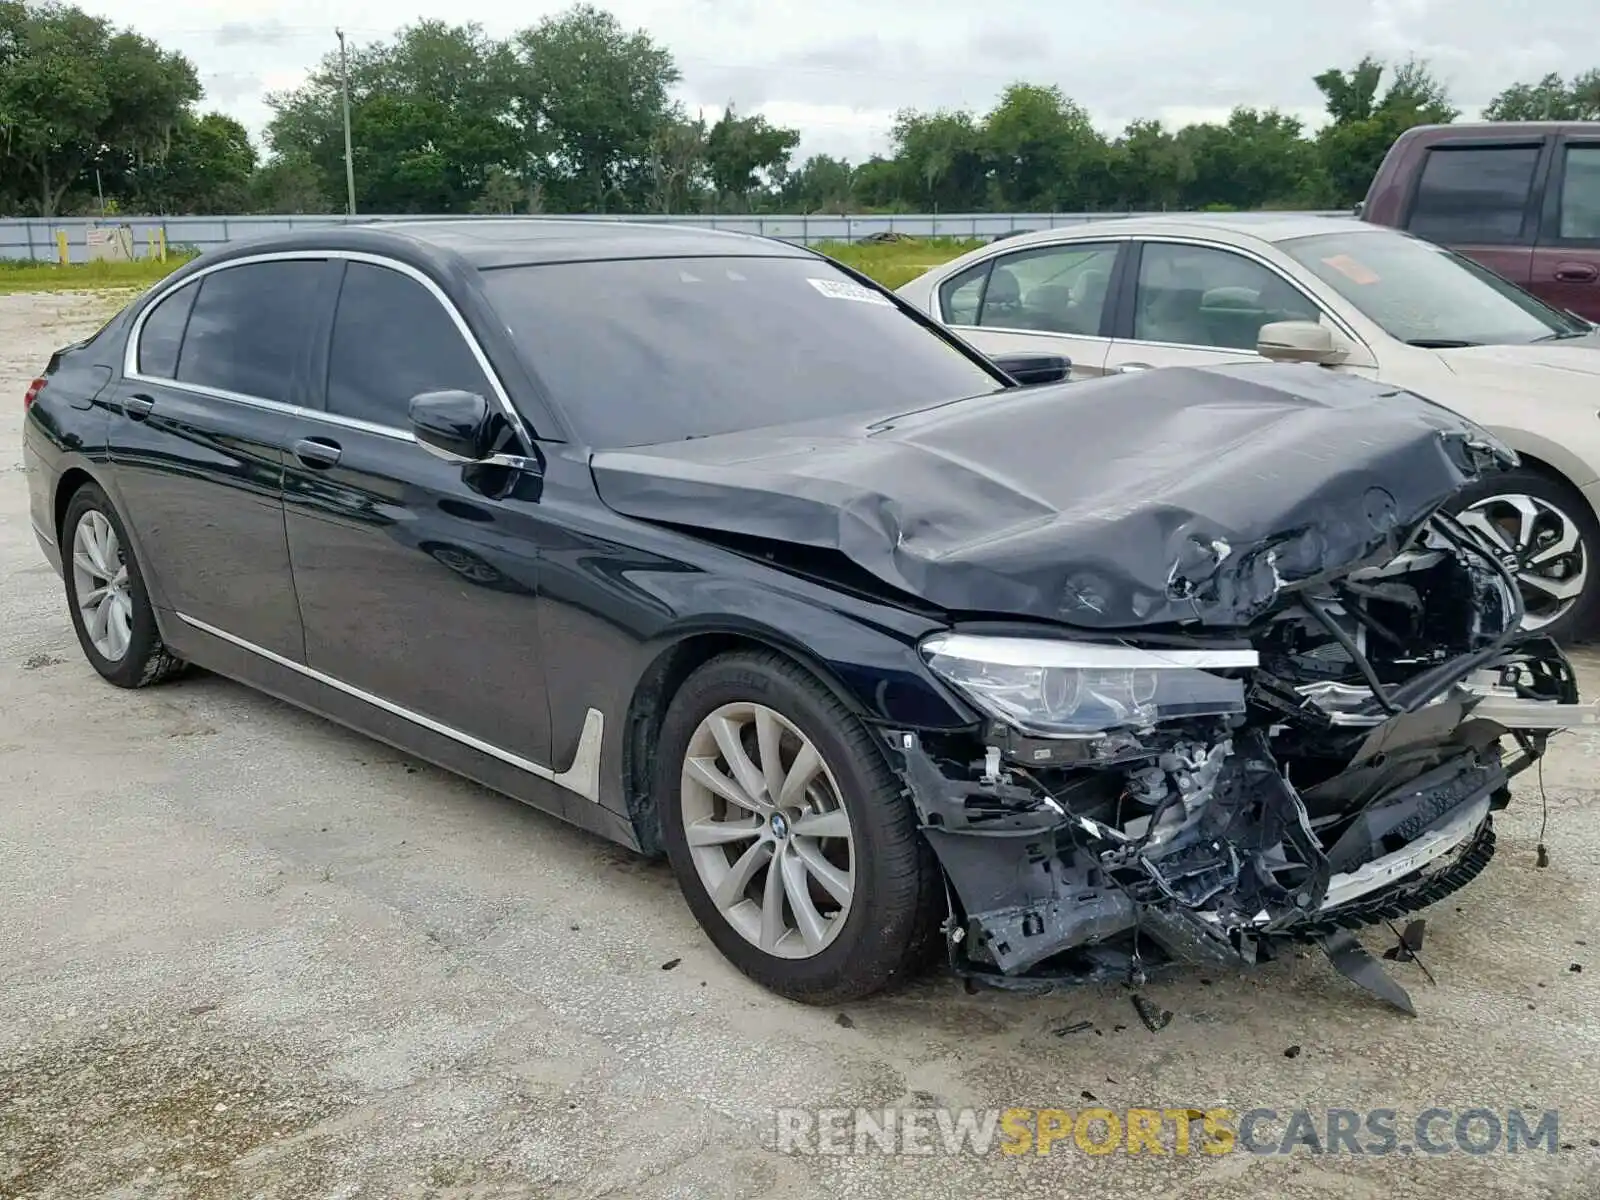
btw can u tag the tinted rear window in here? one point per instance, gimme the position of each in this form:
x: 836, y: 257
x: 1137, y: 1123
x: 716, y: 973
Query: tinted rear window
x: 656, y: 350
x: 1474, y: 194
x: 163, y: 333
x: 249, y: 325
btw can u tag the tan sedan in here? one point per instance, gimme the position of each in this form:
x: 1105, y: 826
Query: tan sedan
x: 1131, y: 294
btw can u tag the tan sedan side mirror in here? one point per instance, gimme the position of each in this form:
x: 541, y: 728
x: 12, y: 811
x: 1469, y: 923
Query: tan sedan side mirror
x: 1298, y: 341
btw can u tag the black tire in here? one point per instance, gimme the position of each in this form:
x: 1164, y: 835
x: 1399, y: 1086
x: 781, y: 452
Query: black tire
x: 891, y: 927
x: 1580, y: 621
x: 147, y: 659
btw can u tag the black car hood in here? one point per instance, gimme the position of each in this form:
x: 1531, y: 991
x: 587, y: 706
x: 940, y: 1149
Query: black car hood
x: 1178, y: 495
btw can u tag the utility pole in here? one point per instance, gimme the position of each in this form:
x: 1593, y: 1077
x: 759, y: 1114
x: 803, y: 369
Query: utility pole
x: 349, y: 164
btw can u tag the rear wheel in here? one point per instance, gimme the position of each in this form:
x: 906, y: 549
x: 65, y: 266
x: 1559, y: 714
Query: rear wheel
x: 789, y: 835
x: 106, y: 596
x: 1548, y: 537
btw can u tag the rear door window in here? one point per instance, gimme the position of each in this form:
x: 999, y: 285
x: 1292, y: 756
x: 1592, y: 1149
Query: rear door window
x: 1056, y: 289
x: 1580, y: 194
x: 1474, y: 195
x: 248, y: 329
x: 961, y: 296
x: 162, y: 333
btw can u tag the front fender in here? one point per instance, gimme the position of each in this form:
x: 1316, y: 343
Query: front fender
x: 877, y: 672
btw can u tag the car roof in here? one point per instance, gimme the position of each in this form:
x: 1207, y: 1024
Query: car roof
x: 488, y: 242
x: 1262, y: 226
x: 1495, y: 130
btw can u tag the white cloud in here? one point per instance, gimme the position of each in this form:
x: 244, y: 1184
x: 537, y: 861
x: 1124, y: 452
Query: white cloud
x: 839, y: 69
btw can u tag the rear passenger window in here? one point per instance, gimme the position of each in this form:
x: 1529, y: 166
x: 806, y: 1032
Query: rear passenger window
x: 248, y: 330
x: 1474, y: 194
x: 162, y: 333
x: 393, y: 339
x: 1580, y: 194
x: 1054, y: 289
x: 960, y: 296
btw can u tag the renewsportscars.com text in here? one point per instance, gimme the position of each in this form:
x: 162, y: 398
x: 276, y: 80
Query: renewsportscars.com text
x: 1177, y: 1131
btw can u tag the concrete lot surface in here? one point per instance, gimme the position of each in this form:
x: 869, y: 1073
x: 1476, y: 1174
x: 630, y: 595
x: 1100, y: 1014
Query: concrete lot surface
x: 244, y: 953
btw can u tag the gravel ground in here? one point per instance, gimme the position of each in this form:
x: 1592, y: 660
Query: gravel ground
x: 247, y: 953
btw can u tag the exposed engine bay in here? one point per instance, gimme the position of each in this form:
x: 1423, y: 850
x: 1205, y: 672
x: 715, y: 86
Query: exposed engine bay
x: 1333, y: 765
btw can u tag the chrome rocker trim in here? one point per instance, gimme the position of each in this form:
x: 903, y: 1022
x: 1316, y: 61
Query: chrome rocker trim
x: 581, y: 777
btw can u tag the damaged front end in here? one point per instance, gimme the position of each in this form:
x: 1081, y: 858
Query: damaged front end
x: 1332, y: 765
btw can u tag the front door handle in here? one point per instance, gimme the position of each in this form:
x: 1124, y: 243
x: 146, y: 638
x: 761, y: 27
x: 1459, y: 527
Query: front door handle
x: 1132, y: 366
x: 1575, y: 272
x: 317, y: 453
x: 137, y: 408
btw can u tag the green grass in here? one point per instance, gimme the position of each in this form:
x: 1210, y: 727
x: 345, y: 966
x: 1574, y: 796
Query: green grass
x: 53, y: 277
x: 894, y: 264
x: 890, y: 263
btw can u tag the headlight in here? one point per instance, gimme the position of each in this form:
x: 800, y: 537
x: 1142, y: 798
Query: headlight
x: 1048, y: 688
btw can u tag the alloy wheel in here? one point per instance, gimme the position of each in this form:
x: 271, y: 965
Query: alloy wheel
x: 1540, y: 545
x: 100, y: 585
x: 767, y: 830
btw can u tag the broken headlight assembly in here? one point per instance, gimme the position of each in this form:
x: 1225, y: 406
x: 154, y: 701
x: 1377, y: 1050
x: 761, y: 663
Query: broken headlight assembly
x: 1061, y: 689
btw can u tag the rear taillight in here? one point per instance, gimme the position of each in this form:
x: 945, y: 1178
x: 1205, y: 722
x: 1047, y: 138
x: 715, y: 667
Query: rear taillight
x: 32, y: 394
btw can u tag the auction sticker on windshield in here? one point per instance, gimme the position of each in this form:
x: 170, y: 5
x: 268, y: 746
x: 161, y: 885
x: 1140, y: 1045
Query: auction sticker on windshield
x: 844, y: 289
x: 1356, y: 272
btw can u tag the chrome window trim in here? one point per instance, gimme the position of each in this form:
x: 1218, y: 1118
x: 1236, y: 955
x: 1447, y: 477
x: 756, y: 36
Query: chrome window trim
x: 581, y: 777
x: 130, y: 356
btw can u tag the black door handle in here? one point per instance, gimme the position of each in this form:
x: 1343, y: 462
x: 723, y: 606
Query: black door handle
x: 138, y: 408
x: 1577, y: 273
x: 318, y: 453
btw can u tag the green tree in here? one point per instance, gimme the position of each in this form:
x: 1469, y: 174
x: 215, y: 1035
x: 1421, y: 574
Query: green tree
x: 745, y: 155
x: 431, y: 118
x: 677, y: 167
x: 943, y: 160
x: 1151, y: 169
x: 1550, y: 99
x: 72, y: 87
x: 591, y: 99
x: 1363, y: 126
x: 1258, y: 159
x: 822, y: 184
x: 206, y: 166
x: 1044, y: 152
x: 876, y: 183
x: 290, y: 183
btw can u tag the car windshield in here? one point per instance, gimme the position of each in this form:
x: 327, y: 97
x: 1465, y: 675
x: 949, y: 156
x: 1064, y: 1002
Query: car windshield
x: 642, y: 351
x: 1424, y: 294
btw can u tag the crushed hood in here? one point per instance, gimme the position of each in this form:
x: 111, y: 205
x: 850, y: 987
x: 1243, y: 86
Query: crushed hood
x: 1177, y: 495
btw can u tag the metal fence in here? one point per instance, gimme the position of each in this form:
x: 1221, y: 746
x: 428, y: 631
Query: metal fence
x: 36, y: 239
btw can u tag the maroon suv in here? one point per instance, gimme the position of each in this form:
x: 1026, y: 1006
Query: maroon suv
x: 1521, y: 197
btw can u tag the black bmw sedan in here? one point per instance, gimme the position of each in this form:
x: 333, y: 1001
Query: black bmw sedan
x: 714, y: 548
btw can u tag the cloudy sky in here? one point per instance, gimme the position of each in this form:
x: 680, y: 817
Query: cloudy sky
x: 839, y: 71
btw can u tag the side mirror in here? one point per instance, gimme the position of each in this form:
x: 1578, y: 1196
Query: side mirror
x: 1298, y: 341
x: 457, y: 426
x: 1029, y: 367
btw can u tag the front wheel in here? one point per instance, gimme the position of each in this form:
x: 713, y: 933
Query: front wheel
x: 788, y: 833
x: 1547, y: 537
